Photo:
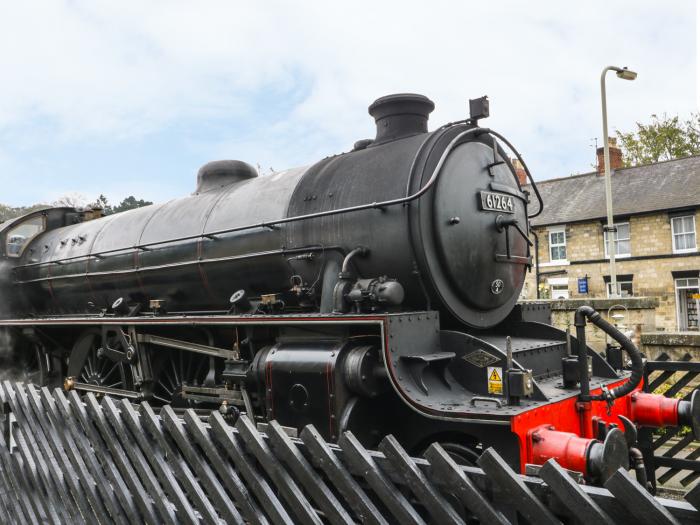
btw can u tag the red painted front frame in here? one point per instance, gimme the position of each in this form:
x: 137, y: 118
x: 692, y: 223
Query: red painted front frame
x: 566, y: 416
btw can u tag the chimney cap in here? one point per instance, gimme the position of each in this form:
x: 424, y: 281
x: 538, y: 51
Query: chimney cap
x: 401, y: 103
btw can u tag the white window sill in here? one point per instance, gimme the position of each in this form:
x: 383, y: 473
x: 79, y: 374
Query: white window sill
x: 692, y: 250
x: 563, y: 262
x: 625, y: 256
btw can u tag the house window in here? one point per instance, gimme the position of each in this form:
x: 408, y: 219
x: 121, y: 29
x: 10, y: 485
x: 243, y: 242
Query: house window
x: 559, y: 291
x: 624, y: 289
x: 557, y: 245
x: 622, y: 240
x: 558, y: 288
x: 624, y: 285
x: 683, y: 229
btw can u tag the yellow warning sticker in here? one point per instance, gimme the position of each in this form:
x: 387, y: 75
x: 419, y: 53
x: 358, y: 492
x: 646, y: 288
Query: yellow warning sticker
x: 495, y: 380
x: 695, y: 296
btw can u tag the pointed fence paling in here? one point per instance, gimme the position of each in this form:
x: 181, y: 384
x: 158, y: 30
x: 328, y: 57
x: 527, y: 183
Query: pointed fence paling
x: 66, y: 459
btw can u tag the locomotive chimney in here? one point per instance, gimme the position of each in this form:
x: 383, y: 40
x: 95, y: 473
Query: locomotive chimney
x: 400, y: 115
x: 615, y: 156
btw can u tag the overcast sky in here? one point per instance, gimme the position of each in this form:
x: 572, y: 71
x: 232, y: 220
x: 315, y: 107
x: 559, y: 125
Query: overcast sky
x: 128, y: 98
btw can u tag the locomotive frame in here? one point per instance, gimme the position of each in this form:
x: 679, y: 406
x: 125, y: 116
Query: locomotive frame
x: 464, y: 422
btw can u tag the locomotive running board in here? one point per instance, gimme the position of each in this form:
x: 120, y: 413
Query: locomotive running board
x: 404, y: 335
x: 66, y: 459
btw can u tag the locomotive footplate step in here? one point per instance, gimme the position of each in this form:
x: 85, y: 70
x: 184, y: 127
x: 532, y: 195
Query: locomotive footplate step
x: 418, y: 364
x: 66, y: 459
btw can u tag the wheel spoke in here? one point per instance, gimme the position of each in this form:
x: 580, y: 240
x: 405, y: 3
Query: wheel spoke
x: 104, y: 363
x: 164, y: 375
x: 111, y: 370
x: 172, y: 382
x: 88, y: 365
x: 176, y: 377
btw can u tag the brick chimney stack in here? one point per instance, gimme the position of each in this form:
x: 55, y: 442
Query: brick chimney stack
x: 615, y: 156
x: 519, y: 171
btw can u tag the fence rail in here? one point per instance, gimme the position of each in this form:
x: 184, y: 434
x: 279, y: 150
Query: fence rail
x: 671, y: 456
x: 66, y: 459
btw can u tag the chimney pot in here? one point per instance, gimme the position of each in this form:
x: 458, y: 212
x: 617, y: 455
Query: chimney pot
x: 401, y: 115
x: 615, y: 156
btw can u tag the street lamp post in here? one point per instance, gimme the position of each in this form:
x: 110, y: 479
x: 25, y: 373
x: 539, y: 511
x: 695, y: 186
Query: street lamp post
x: 625, y: 74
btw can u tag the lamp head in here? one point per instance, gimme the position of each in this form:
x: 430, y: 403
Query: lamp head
x: 626, y: 74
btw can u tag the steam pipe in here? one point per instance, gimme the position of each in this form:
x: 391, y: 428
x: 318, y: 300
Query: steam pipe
x: 360, y: 250
x: 345, y: 280
x: 640, y: 470
x: 580, y: 323
x: 586, y: 312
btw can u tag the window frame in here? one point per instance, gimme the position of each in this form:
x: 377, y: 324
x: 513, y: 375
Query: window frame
x: 608, y: 287
x: 617, y: 240
x: 674, y: 235
x: 550, y: 232
x: 27, y: 241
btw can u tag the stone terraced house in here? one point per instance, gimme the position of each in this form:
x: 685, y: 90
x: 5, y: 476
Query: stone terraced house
x: 657, y: 214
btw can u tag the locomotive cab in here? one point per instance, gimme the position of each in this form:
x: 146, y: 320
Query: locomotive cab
x: 17, y: 234
x: 21, y: 244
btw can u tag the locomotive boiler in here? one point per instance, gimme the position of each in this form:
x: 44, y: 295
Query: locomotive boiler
x: 374, y: 292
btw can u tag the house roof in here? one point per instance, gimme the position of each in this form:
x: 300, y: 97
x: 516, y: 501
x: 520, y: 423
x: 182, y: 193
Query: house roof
x: 665, y: 185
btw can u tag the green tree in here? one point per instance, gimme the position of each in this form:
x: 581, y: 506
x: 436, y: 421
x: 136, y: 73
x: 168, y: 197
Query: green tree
x: 664, y: 138
x: 129, y: 203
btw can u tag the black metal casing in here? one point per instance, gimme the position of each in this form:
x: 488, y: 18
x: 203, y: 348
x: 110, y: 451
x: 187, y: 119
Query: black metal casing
x: 441, y: 247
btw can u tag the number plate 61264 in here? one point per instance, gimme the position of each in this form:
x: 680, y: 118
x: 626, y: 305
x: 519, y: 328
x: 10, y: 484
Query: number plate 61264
x: 491, y: 201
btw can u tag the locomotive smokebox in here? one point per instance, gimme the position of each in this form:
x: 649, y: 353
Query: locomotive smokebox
x: 400, y: 115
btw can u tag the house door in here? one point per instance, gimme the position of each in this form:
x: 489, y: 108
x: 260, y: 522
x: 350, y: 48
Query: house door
x: 688, y: 303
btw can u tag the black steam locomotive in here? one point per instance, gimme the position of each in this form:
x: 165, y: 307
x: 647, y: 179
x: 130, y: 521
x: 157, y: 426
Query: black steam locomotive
x: 374, y: 291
